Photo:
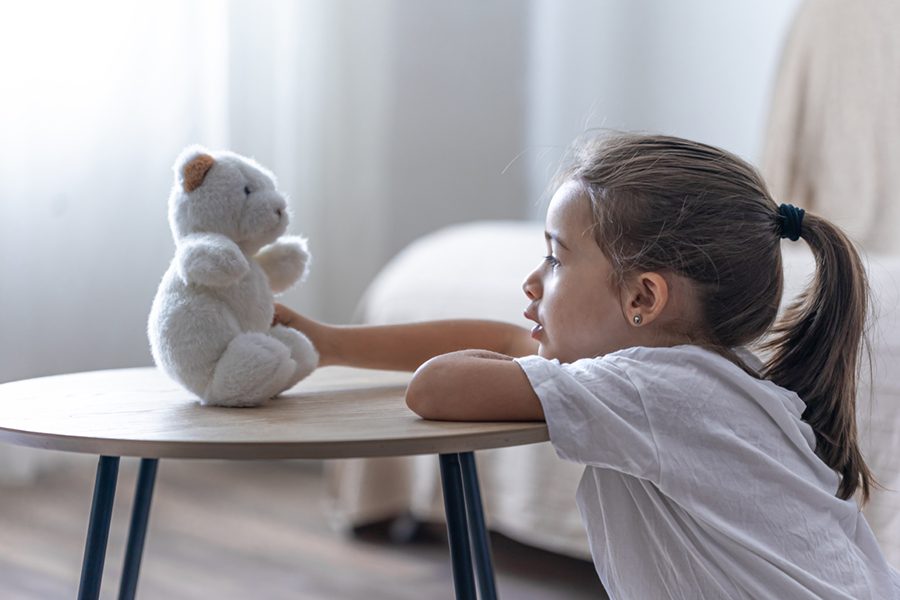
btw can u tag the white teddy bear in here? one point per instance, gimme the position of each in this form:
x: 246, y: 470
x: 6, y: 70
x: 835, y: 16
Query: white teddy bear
x: 210, y: 327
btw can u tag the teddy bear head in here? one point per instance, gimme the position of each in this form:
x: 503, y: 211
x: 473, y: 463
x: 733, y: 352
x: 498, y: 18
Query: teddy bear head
x: 227, y: 194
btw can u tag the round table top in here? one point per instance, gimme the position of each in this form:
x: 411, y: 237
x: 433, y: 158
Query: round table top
x: 336, y: 412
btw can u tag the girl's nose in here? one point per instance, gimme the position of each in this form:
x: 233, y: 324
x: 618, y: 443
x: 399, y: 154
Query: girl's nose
x: 531, y: 286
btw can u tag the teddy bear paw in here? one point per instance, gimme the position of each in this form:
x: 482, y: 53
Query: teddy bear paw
x: 302, y: 351
x: 253, y: 368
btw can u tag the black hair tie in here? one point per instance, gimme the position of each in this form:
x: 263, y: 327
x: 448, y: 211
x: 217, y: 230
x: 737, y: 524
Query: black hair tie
x: 791, y: 219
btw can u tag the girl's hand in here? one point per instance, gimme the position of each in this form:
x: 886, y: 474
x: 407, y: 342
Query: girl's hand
x: 321, y: 336
x: 285, y: 316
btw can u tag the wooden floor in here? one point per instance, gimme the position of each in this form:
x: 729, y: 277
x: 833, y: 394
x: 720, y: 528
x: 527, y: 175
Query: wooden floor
x: 227, y: 530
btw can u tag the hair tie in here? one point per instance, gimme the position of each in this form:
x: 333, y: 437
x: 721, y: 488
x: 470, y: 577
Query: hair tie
x: 791, y: 221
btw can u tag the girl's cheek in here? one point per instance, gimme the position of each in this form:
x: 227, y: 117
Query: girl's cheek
x: 549, y: 290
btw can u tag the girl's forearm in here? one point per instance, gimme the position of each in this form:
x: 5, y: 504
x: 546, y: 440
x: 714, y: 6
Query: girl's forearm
x: 406, y: 347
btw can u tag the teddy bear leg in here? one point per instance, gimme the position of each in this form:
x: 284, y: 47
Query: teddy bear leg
x: 302, y: 351
x: 253, y: 368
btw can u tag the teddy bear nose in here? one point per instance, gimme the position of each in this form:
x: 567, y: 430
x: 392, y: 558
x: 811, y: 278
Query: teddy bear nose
x: 279, y: 212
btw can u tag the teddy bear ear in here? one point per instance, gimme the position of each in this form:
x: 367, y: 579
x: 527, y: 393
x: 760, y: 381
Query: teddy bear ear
x: 192, y: 166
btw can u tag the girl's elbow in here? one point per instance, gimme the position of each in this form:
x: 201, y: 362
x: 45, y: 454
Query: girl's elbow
x: 423, y: 391
x: 416, y: 401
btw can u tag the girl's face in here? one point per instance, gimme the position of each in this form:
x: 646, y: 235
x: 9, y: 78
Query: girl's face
x: 577, y: 308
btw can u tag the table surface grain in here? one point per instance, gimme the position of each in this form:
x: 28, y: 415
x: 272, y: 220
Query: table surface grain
x: 337, y: 412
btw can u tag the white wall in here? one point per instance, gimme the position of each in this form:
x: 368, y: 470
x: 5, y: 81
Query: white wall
x: 424, y: 109
x: 700, y: 69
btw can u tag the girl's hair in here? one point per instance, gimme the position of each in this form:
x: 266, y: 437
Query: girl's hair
x: 662, y: 203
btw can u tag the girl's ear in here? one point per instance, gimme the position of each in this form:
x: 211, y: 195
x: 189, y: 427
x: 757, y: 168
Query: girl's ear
x: 645, y: 297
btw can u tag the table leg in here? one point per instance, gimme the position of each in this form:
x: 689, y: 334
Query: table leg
x: 137, y: 531
x: 487, y: 587
x: 454, y: 505
x: 98, y: 528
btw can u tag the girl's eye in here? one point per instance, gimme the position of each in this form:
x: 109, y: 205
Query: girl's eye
x: 551, y: 260
x: 247, y: 189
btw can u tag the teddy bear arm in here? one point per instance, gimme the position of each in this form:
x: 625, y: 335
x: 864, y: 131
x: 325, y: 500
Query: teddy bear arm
x: 211, y: 260
x: 284, y: 262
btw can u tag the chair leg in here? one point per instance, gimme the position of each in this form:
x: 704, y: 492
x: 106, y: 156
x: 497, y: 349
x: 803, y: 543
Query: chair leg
x: 98, y: 528
x: 454, y: 505
x: 487, y: 586
x: 137, y: 531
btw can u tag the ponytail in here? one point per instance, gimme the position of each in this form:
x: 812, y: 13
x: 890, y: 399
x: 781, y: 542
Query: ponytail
x: 815, y: 352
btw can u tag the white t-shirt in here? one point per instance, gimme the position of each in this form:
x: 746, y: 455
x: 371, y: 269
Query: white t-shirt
x: 702, y: 483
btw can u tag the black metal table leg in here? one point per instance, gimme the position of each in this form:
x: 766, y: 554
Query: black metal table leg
x: 454, y: 505
x: 137, y: 531
x: 487, y: 587
x: 98, y: 528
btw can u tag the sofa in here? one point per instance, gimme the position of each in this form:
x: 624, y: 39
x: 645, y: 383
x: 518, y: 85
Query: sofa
x: 475, y: 270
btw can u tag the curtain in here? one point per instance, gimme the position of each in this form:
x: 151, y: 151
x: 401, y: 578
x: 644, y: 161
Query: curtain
x: 97, y: 99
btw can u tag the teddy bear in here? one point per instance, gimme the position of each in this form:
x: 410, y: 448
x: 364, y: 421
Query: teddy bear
x: 210, y: 326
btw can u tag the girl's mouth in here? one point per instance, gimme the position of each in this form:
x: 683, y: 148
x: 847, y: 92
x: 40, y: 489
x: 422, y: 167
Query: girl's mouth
x: 531, y: 314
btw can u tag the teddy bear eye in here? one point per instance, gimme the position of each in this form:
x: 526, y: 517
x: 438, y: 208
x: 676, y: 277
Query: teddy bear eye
x: 247, y: 189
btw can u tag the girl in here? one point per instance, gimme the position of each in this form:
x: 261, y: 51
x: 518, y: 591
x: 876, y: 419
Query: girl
x: 709, y: 474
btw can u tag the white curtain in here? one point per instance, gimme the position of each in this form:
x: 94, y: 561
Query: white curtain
x: 97, y: 98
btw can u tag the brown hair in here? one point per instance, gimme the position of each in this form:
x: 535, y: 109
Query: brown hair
x: 663, y: 203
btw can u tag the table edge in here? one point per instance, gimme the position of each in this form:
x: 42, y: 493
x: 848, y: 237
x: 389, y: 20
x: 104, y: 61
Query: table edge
x: 440, y: 444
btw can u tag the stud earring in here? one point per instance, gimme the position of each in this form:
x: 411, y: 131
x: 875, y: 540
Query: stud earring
x: 636, y: 319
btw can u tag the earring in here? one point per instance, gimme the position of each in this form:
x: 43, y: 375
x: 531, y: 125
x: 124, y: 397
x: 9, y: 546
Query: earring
x: 636, y: 319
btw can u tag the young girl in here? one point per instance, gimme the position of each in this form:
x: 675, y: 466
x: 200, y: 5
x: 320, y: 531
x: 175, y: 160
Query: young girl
x: 709, y: 474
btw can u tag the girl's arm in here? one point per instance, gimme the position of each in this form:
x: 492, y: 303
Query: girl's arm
x: 405, y: 347
x: 454, y: 383
x: 473, y: 385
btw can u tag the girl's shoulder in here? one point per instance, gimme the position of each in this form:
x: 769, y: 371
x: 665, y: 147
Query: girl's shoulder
x: 686, y: 370
x: 641, y: 357
x: 682, y: 367
x: 670, y: 371
x: 680, y: 349
x: 695, y: 372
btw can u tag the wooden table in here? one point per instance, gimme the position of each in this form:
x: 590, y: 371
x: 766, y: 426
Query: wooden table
x: 335, y: 413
